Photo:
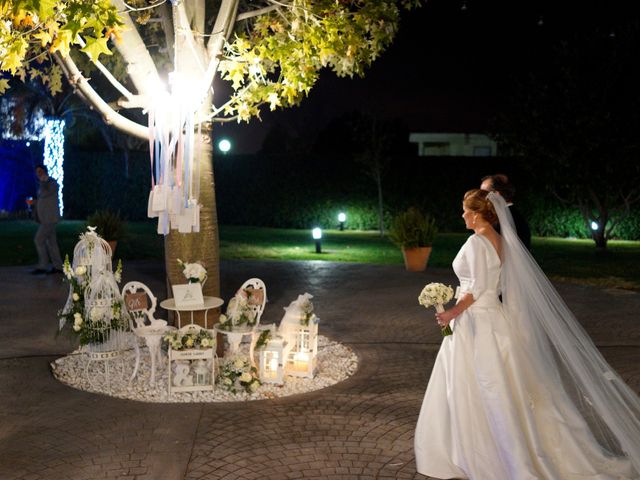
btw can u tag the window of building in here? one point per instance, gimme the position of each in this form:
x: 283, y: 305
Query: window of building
x: 482, y: 151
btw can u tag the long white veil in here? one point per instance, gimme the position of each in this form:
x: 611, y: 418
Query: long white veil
x: 558, y: 350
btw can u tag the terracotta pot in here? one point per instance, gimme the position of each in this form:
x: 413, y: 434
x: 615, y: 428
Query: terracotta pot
x: 415, y: 259
x: 113, y: 244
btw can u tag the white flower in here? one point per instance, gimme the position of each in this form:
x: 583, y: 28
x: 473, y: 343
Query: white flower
x: 117, y: 276
x: 96, y: 314
x: 205, y: 342
x: 239, y: 363
x: 245, y: 377
x: 81, y: 270
x: 77, y: 316
x: 194, y: 270
x: 189, y: 342
x: 77, y: 321
x: 76, y: 297
x: 76, y: 328
x: 434, y: 294
x: 227, y: 381
x: 223, y: 318
x: 254, y: 386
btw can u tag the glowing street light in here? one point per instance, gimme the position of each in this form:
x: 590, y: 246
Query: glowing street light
x: 342, y: 217
x: 224, y: 145
x: 317, y: 236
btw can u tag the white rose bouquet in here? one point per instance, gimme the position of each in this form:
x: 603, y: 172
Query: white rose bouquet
x: 237, y: 374
x: 436, y: 295
x: 193, y: 272
x: 239, y: 313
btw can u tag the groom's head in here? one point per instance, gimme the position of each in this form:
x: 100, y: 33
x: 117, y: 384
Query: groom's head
x: 499, y: 183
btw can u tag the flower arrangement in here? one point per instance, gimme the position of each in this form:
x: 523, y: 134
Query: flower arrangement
x: 89, y: 326
x: 237, y: 374
x: 306, y: 308
x: 239, y: 313
x: 193, y: 272
x: 181, y: 341
x: 436, y: 295
x: 263, y: 339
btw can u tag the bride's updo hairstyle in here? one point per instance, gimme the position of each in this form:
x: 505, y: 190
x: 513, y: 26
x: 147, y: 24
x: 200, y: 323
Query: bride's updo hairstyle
x: 476, y: 201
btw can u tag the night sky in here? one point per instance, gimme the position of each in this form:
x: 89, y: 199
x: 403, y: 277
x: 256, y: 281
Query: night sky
x: 448, y: 67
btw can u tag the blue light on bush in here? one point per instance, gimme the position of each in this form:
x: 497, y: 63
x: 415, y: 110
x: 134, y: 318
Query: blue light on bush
x: 53, y: 135
x: 594, y: 225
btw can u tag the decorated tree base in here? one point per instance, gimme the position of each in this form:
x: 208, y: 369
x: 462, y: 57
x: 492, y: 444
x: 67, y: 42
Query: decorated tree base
x: 336, y: 363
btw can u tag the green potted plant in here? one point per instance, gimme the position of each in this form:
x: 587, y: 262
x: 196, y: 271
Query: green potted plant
x: 109, y: 225
x: 413, y: 232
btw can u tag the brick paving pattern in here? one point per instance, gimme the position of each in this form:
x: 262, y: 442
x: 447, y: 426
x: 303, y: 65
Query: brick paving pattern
x: 358, y: 429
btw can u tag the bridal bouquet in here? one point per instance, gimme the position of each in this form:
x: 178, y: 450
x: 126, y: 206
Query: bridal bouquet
x: 436, y: 295
x: 193, y: 272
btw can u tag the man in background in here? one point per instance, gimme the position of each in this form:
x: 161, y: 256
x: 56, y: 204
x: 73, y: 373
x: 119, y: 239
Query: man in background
x: 47, y: 215
x: 500, y: 184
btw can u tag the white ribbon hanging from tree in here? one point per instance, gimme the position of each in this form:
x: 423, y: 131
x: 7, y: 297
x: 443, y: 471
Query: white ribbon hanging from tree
x: 174, y: 176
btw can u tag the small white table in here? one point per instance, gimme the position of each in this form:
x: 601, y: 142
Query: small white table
x: 208, y: 304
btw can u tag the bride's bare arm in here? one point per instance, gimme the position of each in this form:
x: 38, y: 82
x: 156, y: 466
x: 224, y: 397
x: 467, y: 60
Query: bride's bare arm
x: 464, y: 302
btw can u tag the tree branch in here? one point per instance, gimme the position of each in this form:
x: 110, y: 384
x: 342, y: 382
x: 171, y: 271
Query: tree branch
x: 111, y: 117
x: 256, y: 13
x: 113, y: 80
x: 221, y: 31
x: 167, y: 28
x: 140, y: 65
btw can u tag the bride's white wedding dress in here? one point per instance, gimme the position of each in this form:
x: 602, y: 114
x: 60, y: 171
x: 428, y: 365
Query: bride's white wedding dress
x: 495, y: 409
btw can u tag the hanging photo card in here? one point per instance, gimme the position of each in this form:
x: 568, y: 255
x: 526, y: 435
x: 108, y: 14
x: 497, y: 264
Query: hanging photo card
x: 188, y: 295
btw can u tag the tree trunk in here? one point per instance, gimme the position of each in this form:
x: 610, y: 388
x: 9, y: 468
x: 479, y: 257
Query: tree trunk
x: 600, y: 237
x: 202, y: 246
x: 380, y: 205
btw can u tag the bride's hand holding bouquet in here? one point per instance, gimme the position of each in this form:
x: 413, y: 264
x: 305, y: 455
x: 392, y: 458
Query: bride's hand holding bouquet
x: 436, y: 295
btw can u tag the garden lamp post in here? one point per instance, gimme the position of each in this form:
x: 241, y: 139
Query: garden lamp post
x: 317, y: 236
x: 342, y: 217
x: 224, y: 145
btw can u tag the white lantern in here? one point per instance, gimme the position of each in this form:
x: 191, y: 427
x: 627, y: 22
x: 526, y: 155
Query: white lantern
x: 202, y: 373
x: 272, y: 361
x: 302, y: 358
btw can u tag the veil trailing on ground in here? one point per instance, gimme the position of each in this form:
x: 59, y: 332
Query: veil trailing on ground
x: 559, y: 351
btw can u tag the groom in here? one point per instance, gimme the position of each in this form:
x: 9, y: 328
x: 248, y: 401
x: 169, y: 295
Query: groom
x: 500, y: 184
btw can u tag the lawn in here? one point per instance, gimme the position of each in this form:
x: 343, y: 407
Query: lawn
x: 564, y: 259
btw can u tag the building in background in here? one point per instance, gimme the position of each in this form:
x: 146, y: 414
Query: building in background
x: 454, y: 145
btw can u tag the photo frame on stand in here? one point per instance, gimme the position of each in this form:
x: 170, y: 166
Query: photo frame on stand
x: 188, y: 295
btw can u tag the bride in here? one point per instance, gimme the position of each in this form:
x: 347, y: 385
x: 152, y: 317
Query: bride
x: 519, y: 391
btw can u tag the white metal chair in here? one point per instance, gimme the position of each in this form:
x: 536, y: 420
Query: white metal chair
x: 141, y: 305
x: 255, y: 285
x: 257, y: 297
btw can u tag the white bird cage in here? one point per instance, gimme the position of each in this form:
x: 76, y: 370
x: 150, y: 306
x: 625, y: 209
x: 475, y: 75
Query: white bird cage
x: 105, y: 315
x: 92, y: 252
x: 271, y: 362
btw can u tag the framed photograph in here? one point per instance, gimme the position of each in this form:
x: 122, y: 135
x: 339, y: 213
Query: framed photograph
x: 188, y: 295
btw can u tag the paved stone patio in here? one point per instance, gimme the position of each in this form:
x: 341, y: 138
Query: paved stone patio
x: 359, y: 429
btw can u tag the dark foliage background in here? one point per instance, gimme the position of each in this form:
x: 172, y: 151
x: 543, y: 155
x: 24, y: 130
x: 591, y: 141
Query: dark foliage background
x: 302, y: 190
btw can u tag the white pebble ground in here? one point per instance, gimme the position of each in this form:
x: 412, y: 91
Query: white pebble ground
x: 336, y: 363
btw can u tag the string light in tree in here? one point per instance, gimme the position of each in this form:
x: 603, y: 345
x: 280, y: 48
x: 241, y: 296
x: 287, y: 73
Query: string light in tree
x: 53, y: 134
